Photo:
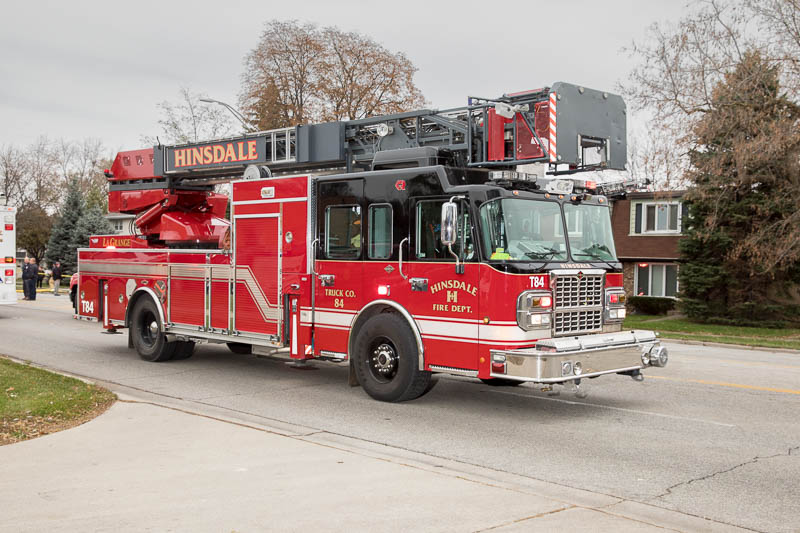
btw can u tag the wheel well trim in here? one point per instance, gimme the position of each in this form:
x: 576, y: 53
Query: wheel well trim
x: 152, y: 294
x: 400, y: 309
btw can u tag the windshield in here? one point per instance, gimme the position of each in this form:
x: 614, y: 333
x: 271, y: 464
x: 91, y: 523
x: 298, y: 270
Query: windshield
x: 589, y: 232
x: 523, y: 230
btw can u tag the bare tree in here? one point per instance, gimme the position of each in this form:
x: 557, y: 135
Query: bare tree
x: 282, y: 74
x: 780, y: 21
x: 83, y: 161
x: 362, y: 78
x: 13, y: 171
x: 299, y: 73
x: 42, y: 181
x: 679, y: 65
x: 190, y: 120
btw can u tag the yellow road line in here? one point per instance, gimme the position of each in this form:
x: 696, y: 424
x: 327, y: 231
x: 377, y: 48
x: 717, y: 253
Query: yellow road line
x: 732, y: 361
x: 723, y: 384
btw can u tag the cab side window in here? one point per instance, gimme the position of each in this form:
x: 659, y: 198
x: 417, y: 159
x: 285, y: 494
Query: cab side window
x: 429, y: 244
x: 380, y: 231
x: 343, y: 232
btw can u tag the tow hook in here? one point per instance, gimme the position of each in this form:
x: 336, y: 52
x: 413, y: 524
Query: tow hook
x: 579, y: 392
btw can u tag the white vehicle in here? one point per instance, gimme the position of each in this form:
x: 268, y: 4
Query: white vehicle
x: 8, y: 254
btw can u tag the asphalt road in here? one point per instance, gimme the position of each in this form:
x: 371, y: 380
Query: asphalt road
x: 715, y: 434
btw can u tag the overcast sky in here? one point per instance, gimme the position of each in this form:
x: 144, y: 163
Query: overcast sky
x: 97, y: 69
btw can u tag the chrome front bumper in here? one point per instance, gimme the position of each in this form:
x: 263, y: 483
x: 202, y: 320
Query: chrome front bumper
x: 593, y: 355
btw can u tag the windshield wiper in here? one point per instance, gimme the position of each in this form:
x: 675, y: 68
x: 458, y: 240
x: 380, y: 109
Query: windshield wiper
x: 547, y: 254
x: 587, y: 252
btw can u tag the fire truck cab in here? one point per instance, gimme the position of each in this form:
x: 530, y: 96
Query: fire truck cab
x: 420, y: 262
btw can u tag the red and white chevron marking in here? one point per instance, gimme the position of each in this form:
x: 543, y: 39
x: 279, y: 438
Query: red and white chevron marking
x: 552, y: 144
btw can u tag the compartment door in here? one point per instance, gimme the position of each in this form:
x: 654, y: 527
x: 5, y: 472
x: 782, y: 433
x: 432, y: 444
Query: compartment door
x: 257, y: 276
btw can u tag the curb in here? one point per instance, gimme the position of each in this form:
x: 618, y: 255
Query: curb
x: 734, y: 346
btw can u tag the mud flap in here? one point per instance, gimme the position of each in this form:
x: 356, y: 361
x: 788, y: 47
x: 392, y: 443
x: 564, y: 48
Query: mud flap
x: 352, y: 379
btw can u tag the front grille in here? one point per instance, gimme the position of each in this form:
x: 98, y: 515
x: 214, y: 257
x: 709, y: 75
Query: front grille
x: 578, y: 304
x: 572, y: 291
x: 568, y: 322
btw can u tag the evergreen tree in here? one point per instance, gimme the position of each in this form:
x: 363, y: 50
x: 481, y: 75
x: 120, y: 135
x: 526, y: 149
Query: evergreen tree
x: 96, y: 197
x: 741, y: 254
x: 91, y: 223
x: 58, y: 247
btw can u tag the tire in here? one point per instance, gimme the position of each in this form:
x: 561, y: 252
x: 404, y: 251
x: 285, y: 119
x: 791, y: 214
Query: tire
x: 501, y: 382
x: 183, y: 350
x: 431, y: 385
x: 240, y: 348
x: 386, y: 360
x: 147, y: 332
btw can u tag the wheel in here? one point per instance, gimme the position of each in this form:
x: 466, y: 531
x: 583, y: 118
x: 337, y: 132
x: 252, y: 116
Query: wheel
x: 431, y: 385
x: 386, y: 360
x: 240, y: 348
x: 183, y: 350
x: 146, y: 332
x: 501, y: 382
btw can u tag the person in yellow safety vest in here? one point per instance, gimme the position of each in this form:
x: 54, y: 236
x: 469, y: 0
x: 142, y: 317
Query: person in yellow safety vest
x: 355, y: 240
x: 500, y: 253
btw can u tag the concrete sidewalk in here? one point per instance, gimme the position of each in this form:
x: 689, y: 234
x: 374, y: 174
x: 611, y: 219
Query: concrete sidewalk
x: 158, y: 466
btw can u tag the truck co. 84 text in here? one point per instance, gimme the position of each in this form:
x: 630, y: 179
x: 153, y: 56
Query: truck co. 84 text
x: 406, y: 245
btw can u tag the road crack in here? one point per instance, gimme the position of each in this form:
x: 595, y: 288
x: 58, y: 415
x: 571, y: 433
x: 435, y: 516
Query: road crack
x: 754, y: 460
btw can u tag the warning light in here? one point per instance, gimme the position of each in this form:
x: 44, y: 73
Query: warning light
x: 644, y: 265
x: 9, y: 259
x: 613, y: 298
x: 111, y: 247
x: 9, y: 272
x: 383, y: 290
x: 546, y: 301
x: 400, y: 185
x: 591, y: 184
x: 9, y: 227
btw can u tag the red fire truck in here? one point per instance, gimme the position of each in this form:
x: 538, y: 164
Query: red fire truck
x: 405, y: 245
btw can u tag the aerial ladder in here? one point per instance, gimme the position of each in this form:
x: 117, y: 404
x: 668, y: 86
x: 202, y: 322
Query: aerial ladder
x: 563, y: 128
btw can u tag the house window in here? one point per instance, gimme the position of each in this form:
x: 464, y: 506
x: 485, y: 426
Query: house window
x: 658, y: 217
x: 656, y: 280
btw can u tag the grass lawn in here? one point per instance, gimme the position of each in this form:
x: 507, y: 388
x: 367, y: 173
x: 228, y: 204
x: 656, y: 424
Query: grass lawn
x: 35, y: 402
x: 682, y: 328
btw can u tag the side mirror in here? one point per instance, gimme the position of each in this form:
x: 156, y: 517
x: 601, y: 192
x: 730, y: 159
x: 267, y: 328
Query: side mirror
x: 448, y: 227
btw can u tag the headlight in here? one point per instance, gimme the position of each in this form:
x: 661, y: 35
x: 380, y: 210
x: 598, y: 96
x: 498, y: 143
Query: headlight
x: 577, y: 368
x: 534, y: 310
x: 566, y: 368
x: 615, y: 305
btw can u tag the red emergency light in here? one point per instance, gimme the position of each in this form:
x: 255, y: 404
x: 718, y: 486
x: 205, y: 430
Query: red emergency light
x: 9, y: 227
x: 9, y: 272
x: 644, y: 265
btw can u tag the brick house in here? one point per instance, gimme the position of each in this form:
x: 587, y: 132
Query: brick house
x: 647, y: 228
